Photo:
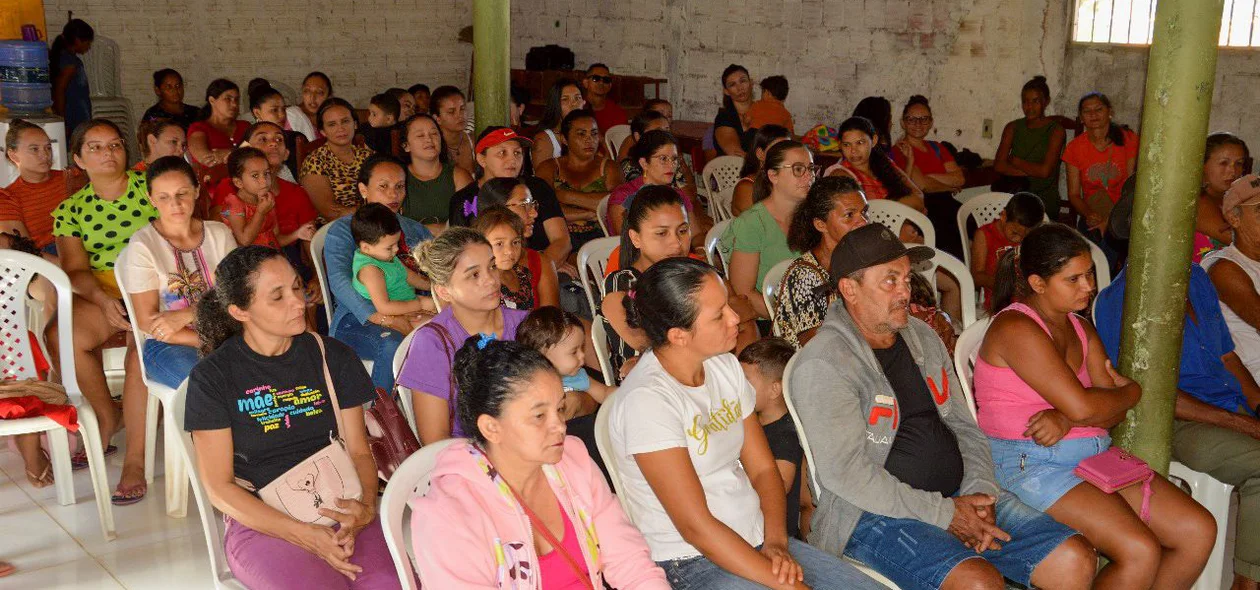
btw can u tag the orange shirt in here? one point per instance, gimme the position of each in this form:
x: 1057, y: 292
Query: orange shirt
x: 769, y: 112
x: 32, y: 204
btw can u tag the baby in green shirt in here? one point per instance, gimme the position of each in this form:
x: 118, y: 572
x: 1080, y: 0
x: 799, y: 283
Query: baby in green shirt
x: 378, y: 274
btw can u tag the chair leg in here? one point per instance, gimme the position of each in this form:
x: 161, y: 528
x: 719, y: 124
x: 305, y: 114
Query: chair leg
x: 150, y: 438
x: 63, y: 476
x: 176, y: 470
x: 90, y: 430
x: 1215, y: 496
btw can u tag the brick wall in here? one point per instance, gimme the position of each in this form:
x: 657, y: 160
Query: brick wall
x: 969, y: 57
x: 365, y: 46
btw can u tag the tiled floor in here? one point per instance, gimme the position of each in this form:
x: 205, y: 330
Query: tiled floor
x: 57, y: 546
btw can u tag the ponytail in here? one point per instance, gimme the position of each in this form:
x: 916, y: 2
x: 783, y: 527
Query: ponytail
x: 214, y: 324
x: 233, y: 285
x: 1006, y: 281
x: 1044, y: 252
x: 75, y: 30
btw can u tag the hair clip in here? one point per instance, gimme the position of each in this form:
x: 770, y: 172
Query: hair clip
x: 470, y: 207
x: 484, y: 340
x: 630, y: 294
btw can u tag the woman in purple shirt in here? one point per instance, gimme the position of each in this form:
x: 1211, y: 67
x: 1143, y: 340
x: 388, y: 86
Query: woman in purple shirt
x: 461, y: 265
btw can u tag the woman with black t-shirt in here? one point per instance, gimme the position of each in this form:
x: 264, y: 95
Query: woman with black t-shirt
x: 257, y: 406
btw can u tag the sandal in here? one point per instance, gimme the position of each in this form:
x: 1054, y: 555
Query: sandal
x: 45, y: 478
x: 130, y: 495
x: 79, y: 460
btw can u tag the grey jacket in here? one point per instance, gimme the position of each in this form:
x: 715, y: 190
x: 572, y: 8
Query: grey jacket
x: 849, y: 415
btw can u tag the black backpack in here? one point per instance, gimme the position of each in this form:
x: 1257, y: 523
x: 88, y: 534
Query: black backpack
x: 549, y: 57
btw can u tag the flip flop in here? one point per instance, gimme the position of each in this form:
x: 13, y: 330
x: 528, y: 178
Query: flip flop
x: 129, y: 496
x: 79, y: 460
x: 44, y: 479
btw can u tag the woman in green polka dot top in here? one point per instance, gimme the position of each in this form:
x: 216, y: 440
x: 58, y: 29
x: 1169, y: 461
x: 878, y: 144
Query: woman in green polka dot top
x: 91, y: 228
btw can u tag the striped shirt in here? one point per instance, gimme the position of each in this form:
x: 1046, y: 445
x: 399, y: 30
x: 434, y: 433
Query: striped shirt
x: 33, y: 204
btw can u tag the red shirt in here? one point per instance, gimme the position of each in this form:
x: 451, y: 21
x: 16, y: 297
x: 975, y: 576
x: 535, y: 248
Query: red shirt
x: 612, y: 114
x: 293, y: 205
x: 215, y: 139
x: 33, y: 204
x: 929, y: 161
x: 995, y: 244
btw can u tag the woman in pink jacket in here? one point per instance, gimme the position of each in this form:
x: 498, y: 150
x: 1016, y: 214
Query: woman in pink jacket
x: 521, y: 506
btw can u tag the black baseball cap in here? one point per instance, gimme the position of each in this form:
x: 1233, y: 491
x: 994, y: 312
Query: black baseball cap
x: 871, y: 245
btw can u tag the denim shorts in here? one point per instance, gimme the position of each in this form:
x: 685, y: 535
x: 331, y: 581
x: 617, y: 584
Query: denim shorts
x: 168, y: 364
x: 918, y: 555
x: 1041, y: 475
x: 823, y: 571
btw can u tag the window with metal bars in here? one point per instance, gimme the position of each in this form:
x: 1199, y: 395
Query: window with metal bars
x: 1130, y: 22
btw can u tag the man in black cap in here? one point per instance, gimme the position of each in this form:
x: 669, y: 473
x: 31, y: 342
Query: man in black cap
x: 905, y: 475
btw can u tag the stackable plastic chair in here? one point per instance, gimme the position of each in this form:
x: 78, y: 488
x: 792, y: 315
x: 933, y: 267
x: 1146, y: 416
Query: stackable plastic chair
x: 591, y: 261
x: 712, y: 246
x: 17, y: 270
x: 718, y: 182
x: 410, y: 480
x: 614, y: 137
x: 770, y: 286
x: 321, y: 271
x: 893, y: 214
x: 984, y: 208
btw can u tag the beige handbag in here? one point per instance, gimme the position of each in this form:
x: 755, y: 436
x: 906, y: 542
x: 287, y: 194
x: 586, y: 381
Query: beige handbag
x: 320, y: 479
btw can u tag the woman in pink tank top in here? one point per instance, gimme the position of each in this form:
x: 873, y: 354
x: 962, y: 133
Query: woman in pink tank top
x: 1046, y: 393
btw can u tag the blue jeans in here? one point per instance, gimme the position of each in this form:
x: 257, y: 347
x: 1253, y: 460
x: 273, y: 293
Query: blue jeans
x: 374, y: 342
x: 1041, y: 475
x: 917, y: 555
x: 168, y: 364
x: 822, y: 572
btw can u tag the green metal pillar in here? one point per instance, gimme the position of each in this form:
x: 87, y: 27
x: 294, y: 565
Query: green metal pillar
x: 1179, y: 79
x: 492, y: 34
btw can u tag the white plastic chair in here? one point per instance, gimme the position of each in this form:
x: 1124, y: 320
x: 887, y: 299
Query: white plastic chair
x: 964, y: 195
x: 317, y: 255
x: 599, y: 338
x: 719, y: 178
x: 770, y: 287
x: 984, y: 208
x: 17, y: 270
x: 159, y: 396
x: 966, y: 284
x: 404, y: 393
x: 592, y: 260
x: 966, y: 349
x: 1102, y: 269
x: 893, y: 214
x: 1215, y: 496
x: 410, y: 480
x: 712, y: 243
x: 814, y: 487
x: 601, y: 214
x: 212, y: 525
x: 603, y: 442
x: 613, y: 138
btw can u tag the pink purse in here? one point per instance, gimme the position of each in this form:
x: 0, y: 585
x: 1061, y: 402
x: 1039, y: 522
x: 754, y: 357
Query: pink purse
x: 318, y: 480
x: 1115, y: 469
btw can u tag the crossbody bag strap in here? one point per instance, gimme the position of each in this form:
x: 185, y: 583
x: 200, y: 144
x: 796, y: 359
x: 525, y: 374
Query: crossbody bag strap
x: 551, y: 539
x: 328, y: 381
x: 448, y: 346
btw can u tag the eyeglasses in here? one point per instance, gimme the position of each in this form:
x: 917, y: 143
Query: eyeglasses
x: 664, y: 159
x: 799, y: 169
x: 601, y: 79
x: 97, y: 147
x: 919, y: 120
x: 527, y: 204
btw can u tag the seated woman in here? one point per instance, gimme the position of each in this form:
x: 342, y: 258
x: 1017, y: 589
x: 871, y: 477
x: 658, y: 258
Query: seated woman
x: 267, y: 106
x: 564, y: 97
x: 876, y: 172
x: 92, y: 226
x: 877, y: 110
x: 729, y: 135
x: 303, y: 116
x: 26, y: 205
x: 581, y: 177
x: 356, y: 322
x: 527, y: 281
x: 329, y: 173
x: 159, y: 138
x: 1224, y: 160
x: 1028, y: 156
x: 460, y: 263
x: 657, y: 156
x: 1099, y: 161
x: 432, y: 177
x: 501, y: 154
x: 832, y: 208
x: 172, y: 262
x: 757, y: 240
x: 219, y: 130
x: 253, y: 332
x: 1046, y: 394
x: 932, y: 168
x: 763, y: 139
x: 562, y: 527
x: 168, y: 85
x: 293, y: 206
x: 447, y: 106
x: 694, y: 462
x: 641, y: 123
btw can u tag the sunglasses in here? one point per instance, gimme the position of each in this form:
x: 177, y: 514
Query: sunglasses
x: 601, y: 79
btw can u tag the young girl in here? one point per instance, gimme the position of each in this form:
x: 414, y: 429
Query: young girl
x: 378, y: 273
x: 558, y: 335
x: 527, y: 280
x: 250, y: 210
